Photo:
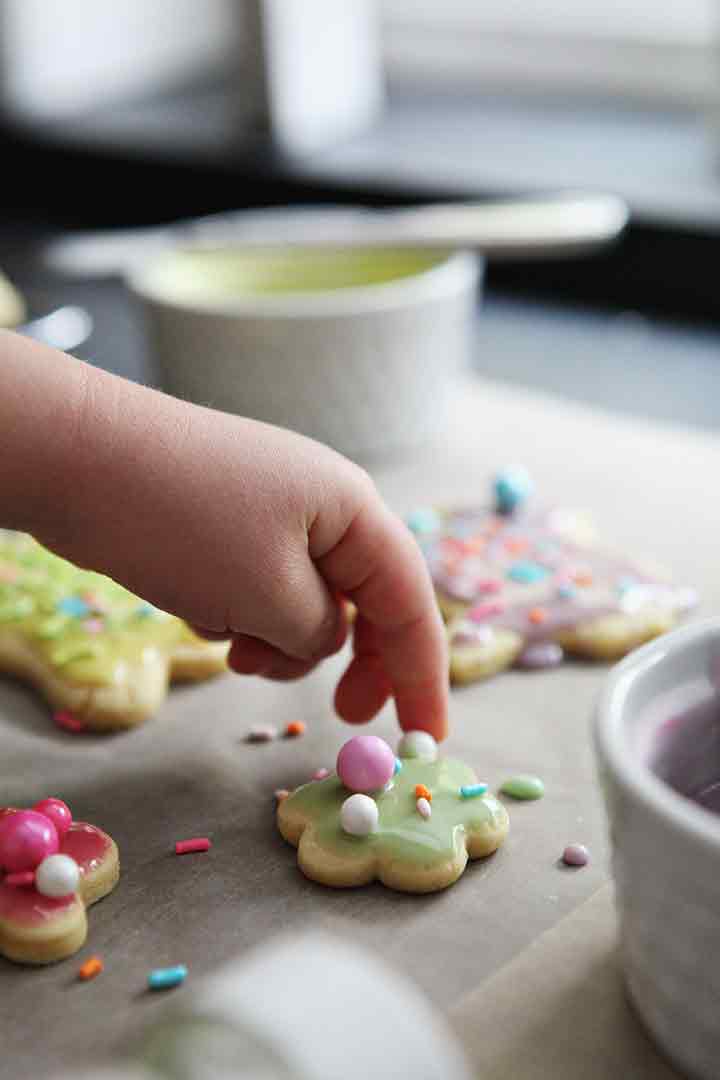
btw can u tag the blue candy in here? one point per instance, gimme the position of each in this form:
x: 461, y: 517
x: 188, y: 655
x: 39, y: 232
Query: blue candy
x: 471, y: 791
x: 512, y: 487
x: 398, y: 766
x: 167, y: 978
x: 527, y: 572
x: 73, y: 605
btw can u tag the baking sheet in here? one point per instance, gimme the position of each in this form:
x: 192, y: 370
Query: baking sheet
x: 189, y: 773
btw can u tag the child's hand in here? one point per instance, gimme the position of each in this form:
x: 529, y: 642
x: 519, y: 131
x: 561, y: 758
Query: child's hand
x: 238, y: 527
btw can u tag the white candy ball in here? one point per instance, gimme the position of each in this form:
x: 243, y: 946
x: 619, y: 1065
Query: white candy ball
x: 359, y: 815
x: 417, y: 744
x: 57, y: 875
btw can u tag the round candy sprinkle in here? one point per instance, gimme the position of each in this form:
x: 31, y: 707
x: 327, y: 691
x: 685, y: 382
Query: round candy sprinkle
x: 471, y: 791
x: 26, y: 838
x: 523, y: 786
x: 365, y: 763
x: 57, y: 876
x: 511, y: 487
x: 576, y: 855
x: 541, y: 654
x: 417, y: 744
x: 359, y: 815
x: 58, y: 812
x: 424, y: 808
x: 295, y: 728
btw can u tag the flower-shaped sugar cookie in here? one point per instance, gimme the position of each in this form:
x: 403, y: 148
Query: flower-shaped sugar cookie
x: 51, y: 869
x: 414, y: 833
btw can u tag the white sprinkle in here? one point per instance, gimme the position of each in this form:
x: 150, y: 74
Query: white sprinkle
x: 424, y: 808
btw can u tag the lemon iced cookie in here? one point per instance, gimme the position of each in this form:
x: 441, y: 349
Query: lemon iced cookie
x: 89, y: 645
x: 411, y: 822
x: 520, y: 585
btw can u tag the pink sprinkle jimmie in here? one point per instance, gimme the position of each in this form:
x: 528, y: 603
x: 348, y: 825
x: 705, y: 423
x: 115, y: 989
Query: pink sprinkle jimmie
x: 22, y: 877
x: 65, y: 720
x: 484, y: 611
x: 197, y: 843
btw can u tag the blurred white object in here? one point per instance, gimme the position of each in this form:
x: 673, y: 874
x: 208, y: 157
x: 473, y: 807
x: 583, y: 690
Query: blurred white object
x: 12, y: 305
x: 666, y: 848
x: 366, y: 368
x: 308, y: 1008
x: 65, y: 328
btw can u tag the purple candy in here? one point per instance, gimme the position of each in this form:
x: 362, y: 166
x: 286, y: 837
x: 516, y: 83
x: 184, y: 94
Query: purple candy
x: 576, y: 855
x: 365, y: 763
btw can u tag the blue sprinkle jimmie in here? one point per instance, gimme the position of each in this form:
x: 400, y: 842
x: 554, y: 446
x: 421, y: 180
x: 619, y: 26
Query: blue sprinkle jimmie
x: 398, y: 766
x: 73, y: 605
x: 471, y: 791
x: 167, y: 978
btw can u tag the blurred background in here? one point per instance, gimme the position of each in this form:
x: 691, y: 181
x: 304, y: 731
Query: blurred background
x: 120, y: 116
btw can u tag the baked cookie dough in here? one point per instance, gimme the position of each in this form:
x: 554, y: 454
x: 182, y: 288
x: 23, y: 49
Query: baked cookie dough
x: 87, y: 644
x: 522, y: 585
x: 414, y: 829
x: 51, y: 869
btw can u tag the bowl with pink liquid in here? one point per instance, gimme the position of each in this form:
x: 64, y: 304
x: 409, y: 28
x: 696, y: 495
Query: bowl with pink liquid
x: 657, y: 734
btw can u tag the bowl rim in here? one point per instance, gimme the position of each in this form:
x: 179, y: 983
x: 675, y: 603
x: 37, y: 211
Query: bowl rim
x: 456, y: 271
x: 614, y: 748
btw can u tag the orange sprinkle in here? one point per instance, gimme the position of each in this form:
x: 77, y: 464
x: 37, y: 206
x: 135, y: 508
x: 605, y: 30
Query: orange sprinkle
x: 537, y: 615
x: 516, y: 547
x: 92, y: 967
x: 583, y: 579
x: 421, y: 792
x: 295, y: 727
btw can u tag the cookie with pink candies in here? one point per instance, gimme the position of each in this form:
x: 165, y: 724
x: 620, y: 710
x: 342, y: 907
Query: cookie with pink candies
x: 411, y: 822
x: 519, y: 585
x: 51, y: 869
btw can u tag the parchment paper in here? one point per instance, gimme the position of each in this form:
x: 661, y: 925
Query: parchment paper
x: 188, y: 772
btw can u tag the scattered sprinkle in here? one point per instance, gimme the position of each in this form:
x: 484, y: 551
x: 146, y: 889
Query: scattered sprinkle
x: 566, y: 591
x: 537, y: 615
x: 523, y: 787
x: 576, y: 855
x: 516, y: 545
x: 471, y: 791
x: 74, y: 606
x: 196, y: 843
x: 398, y: 766
x: 489, y: 586
x: 20, y: 879
x: 527, y: 573
x: 583, y: 579
x: 484, y: 611
x: 321, y: 774
x: 90, y: 969
x: 65, y: 720
x: 512, y: 487
x: 280, y: 794
x: 93, y: 626
x: 295, y: 728
x: 167, y: 978
x: 424, y: 808
x: 95, y: 602
x: 421, y: 792
x: 261, y: 734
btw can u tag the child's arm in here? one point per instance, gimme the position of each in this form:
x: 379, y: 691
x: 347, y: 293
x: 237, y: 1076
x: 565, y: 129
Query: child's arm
x: 233, y: 525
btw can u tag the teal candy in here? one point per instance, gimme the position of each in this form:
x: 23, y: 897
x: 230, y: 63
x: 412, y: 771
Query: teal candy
x: 526, y: 573
x: 512, y: 487
x: 424, y: 520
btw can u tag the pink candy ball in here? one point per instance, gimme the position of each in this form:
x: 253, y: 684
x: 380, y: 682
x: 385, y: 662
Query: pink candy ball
x: 26, y: 838
x: 58, y: 812
x: 365, y: 763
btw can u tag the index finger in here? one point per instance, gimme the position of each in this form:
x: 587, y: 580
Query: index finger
x: 378, y: 565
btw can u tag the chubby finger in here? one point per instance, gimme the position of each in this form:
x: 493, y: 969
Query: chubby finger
x: 251, y: 656
x: 378, y: 565
x: 211, y: 635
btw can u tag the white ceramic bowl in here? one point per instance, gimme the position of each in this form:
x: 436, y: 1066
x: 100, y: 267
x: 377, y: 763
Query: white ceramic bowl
x: 355, y: 348
x: 658, y: 734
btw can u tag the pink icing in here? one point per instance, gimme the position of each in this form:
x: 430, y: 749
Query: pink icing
x: 86, y: 844
x: 365, y: 763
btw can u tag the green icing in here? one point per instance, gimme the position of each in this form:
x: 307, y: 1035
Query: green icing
x: 524, y: 787
x: 402, y: 832
x: 35, y: 585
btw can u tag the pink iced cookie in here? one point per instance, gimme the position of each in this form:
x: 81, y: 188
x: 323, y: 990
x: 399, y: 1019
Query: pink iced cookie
x: 365, y: 763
